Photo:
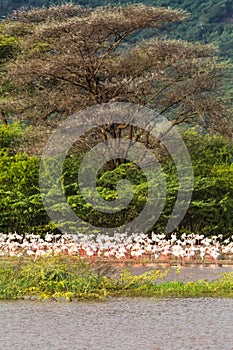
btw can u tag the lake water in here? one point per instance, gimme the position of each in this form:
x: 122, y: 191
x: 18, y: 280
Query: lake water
x: 128, y: 323
x: 185, y: 274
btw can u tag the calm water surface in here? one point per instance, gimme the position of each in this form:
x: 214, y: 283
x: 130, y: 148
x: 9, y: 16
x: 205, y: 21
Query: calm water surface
x: 186, y: 274
x: 141, y: 324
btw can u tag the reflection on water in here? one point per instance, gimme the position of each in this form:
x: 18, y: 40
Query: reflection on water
x: 168, y: 324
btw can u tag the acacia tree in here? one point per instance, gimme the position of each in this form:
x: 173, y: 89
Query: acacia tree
x: 72, y: 57
x: 69, y: 58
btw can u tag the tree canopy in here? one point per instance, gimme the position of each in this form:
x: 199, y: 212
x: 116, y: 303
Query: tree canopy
x: 209, y: 21
x: 69, y: 57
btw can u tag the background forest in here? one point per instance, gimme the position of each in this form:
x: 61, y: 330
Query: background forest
x: 211, y: 149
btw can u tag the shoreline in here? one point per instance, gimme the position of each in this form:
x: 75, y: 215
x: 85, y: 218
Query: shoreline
x: 164, y: 263
x: 71, y: 278
x: 146, y: 261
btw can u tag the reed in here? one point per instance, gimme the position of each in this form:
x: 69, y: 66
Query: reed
x: 71, y: 278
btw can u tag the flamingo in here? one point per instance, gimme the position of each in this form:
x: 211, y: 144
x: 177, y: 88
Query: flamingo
x: 119, y: 246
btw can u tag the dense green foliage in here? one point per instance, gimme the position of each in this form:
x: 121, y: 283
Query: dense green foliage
x: 10, y: 136
x: 211, y: 206
x: 60, y: 278
x: 209, y: 22
x: 210, y: 211
x: 20, y: 203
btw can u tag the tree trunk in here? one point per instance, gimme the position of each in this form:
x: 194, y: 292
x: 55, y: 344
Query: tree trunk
x: 3, y: 118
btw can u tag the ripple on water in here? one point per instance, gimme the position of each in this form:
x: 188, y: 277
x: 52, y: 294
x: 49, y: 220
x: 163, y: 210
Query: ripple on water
x: 160, y: 324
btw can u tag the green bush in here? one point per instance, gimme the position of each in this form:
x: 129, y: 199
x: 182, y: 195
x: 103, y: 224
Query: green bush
x: 212, y: 200
x: 210, y: 211
x: 21, y: 208
x: 11, y: 136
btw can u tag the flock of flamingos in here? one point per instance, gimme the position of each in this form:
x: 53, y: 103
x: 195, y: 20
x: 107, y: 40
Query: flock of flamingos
x: 121, y: 247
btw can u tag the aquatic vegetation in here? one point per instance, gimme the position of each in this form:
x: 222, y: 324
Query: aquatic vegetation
x: 64, y: 277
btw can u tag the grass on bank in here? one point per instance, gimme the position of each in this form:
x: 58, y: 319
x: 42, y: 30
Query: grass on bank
x: 71, y: 278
